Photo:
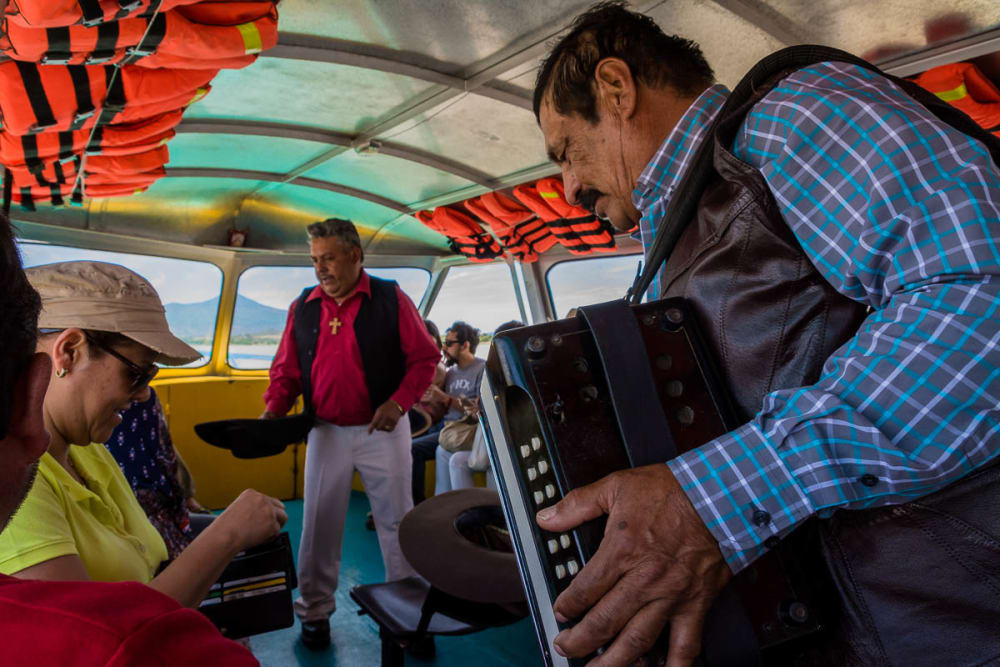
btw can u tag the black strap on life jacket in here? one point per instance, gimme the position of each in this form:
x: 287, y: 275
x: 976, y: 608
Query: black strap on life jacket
x: 92, y: 12
x: 59, y: 51
x: 107, y: 40
x: 94, y: 143
x: 152, y: 40
x: 27, y: 201
x: 81, y: 89
x: 40, y: 107
x: 114, y: 101
x: 685, y: 200
x: 29, y: 146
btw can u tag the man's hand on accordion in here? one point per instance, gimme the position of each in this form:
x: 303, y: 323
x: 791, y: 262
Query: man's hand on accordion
x: 656, y: 564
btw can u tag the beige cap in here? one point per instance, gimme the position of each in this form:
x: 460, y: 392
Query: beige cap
x: 107, y: 297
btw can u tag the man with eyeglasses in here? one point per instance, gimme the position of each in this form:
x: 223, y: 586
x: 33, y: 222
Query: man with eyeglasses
x: 461, y: 390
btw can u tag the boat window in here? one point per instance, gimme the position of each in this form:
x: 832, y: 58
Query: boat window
x: 581, y: 282
x: 264, y: 294
x: 188, y: 289
x: 480, y: 294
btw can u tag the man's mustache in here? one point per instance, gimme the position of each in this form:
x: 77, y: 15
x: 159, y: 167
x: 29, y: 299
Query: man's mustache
x: 588, y: 199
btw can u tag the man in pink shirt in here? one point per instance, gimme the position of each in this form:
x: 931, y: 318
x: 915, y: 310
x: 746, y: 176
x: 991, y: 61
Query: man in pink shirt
x: 356, y: 349
x: 73, y: 622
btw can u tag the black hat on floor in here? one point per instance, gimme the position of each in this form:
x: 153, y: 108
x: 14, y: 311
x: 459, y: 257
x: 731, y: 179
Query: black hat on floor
x: 459, y: 542
x: 255, y: 438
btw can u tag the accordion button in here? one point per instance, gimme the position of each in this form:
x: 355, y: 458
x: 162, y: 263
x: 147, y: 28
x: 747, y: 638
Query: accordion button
x: 564, y: 541
x: 525, y: 451
x: 572, y: 567
x: 543, y: 467
x: 532, y: 474
x: 560, y: 571
x: 536, y: 443
x: 539, y: 497
x: 550, y: 491
x: 553, y: 546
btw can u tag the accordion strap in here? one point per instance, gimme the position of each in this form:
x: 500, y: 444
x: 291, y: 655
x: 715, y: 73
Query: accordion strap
x: 633, y: 394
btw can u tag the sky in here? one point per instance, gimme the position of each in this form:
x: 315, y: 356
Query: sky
x: 482, y: 295
x: 176, y: 280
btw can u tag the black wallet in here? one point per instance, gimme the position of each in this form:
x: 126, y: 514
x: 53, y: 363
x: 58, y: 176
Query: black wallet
x: 254, y: 593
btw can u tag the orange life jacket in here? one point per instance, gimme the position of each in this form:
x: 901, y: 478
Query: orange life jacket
x: 465, y: 235
x: 54, y: 13
x: 223, y: 35
x: 963, y: 86
x: 30, y: 150
x: 36, y: 98
x: 102, y: 169
x: 520, y: 232
x: 578, y: 230
x: 26, y: 197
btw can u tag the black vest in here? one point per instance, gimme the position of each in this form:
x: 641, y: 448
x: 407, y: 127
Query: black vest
x: 376, y: 329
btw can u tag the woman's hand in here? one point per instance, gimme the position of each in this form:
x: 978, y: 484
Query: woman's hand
x: 251, y: 519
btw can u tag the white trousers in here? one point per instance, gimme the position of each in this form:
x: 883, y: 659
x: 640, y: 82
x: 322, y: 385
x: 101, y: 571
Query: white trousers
x: 452, y: 472
x: 332, y: 454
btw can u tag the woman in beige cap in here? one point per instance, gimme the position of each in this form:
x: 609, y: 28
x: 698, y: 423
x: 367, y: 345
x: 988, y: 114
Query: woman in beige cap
x: 104, y: 328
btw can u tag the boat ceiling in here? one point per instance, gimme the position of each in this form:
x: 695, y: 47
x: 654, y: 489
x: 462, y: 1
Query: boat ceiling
x: 372, y: 110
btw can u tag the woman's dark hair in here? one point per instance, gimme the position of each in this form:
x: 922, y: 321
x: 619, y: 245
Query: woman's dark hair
x: 432, y: 329
x: 19, y: 308
x: 609, y: 30
x: 465, y: 333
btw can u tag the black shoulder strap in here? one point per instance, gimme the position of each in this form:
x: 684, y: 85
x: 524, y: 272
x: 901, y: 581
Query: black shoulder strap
x: 688, y: 193
x: 305, y: 327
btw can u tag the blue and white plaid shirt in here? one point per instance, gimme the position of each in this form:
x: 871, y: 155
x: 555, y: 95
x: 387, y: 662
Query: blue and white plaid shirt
x: 900, y: 212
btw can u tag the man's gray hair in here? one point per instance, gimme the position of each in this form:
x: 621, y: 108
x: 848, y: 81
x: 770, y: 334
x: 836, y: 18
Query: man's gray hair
x: 335, y: 228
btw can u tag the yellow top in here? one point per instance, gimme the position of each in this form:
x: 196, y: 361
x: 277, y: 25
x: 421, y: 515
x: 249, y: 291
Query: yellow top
x: 101, y: 522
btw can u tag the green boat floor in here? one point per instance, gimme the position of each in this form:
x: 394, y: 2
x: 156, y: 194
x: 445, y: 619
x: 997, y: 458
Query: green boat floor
x: 355, y: 640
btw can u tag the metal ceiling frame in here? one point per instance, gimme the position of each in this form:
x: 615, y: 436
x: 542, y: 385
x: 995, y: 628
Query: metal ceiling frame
x: 270, y: 176
x: 339, y: 139
x: 966, y: 48
x: 297, y: 46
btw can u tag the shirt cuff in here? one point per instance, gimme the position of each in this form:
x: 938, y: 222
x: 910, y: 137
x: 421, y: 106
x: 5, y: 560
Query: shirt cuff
x: 404, y: 400
x: 743, y: 492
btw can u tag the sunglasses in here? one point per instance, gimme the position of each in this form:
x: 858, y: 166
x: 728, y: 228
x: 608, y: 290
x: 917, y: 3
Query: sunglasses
x: 449, y: 343
x: 139, y: 376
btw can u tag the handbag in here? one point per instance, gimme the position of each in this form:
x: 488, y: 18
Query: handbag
x: 457, y: 436
x: 479, y: 460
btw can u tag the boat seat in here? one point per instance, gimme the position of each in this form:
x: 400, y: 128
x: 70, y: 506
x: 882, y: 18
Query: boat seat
x: 410, y: 609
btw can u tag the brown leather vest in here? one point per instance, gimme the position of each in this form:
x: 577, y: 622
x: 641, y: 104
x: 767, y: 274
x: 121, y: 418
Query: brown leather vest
x: 770, y: 317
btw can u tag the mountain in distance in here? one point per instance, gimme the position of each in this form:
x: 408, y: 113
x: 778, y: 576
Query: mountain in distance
x: 251, y: 318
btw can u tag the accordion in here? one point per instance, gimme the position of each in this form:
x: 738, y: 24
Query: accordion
x: 568, y: 402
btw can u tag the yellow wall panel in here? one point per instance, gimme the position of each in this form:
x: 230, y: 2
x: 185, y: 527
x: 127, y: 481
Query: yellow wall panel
x: 219, y: 476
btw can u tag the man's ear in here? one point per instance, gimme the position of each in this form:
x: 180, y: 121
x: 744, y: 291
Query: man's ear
x: 615, y: 87
x: 27, y: 426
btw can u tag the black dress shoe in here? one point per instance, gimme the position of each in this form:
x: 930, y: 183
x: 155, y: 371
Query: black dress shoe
x: 422, y: 649
x: 316, y: 634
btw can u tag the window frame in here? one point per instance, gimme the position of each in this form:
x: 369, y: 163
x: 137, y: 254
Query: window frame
x: 569, y: 260
x: 165, y: 371
x: 235, y: 370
